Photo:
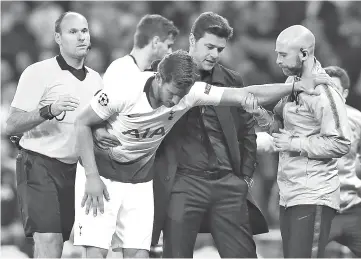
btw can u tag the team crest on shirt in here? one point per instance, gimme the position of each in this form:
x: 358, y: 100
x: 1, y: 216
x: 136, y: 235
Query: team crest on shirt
x: 103, y: 99
x: 207, y: 89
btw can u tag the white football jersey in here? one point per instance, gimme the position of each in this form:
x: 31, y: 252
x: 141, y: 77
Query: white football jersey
x: 140, y: 128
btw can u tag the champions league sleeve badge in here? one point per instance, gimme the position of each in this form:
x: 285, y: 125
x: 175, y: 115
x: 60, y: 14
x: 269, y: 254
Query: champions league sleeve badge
x: 207, y: 89
x: 103, y: 99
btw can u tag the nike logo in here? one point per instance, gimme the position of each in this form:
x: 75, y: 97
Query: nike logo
x: 133, y: 115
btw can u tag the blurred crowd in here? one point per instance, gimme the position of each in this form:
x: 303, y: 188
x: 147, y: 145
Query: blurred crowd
x: 27, y: 37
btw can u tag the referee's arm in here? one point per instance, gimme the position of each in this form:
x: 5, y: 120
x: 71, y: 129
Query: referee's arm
x: 20, y: 121
x: 24, y: 113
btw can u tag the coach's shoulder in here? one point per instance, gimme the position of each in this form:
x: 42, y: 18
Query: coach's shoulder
x: 230, y: 76
x: 328, y: 97
x: 227, y: 71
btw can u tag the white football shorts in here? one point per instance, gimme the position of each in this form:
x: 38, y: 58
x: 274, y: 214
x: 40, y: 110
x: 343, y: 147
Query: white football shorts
x: 127, y: 221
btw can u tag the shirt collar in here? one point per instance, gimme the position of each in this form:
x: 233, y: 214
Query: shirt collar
x: 135, y: 62
x: 216, y: 74
x: 80, y: 74
x: 317, y: 68
x: 205, y: 74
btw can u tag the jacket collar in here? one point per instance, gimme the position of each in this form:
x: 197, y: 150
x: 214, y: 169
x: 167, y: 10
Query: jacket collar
x: 317, y: 68
x: 218, y: 75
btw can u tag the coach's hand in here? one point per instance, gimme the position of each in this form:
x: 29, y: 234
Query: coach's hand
x: 93, y: 194
x: 64, y: 103
x: 104, y: 139
x: 309, y: 85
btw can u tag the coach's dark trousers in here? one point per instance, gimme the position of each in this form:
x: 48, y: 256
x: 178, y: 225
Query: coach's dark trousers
x: 305, y: 230
x: 223, y: 200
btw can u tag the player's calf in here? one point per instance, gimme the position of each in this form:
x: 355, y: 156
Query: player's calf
x: 135, y: 253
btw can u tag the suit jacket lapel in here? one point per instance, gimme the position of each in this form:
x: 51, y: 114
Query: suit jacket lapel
x: 172, y: 143
x: 229, y: 131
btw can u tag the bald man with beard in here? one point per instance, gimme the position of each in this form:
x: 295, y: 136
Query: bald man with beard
x: 310, y: 132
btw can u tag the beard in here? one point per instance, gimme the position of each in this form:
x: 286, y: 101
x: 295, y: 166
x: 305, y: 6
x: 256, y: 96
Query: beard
x: 293, y: 70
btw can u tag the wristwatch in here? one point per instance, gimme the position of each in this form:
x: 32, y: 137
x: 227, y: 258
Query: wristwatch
x: 45, y: 112
x: 248, y: 180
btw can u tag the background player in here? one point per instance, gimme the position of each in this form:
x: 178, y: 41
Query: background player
x: 153, y: 39
x: 345, y: 227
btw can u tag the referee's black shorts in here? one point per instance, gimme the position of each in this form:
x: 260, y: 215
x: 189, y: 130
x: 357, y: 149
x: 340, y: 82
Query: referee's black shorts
x: 45, y: 193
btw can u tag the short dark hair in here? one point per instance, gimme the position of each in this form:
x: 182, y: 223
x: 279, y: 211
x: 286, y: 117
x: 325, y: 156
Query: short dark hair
x: 178, y: 67
x: 60, y: 20
x: 335, y: 71
x: 153, y: 25
x: 212, y: 23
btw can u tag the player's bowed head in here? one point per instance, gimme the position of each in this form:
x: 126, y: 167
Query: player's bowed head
x: 177, y: 72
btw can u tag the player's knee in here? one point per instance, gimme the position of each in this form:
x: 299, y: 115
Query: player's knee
x: 135, y: 253
x: 48, y: 238
x: 48, y: 245
x: 94, y: 252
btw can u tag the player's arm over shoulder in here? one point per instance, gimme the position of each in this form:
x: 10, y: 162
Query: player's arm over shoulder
x: 330, y: 110
x: 203, y: 93
x: 328, y: 99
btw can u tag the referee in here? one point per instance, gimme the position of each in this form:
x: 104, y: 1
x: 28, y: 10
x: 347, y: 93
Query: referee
x: 48, y: 98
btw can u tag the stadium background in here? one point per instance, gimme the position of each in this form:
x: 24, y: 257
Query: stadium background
x: 27, y: 37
